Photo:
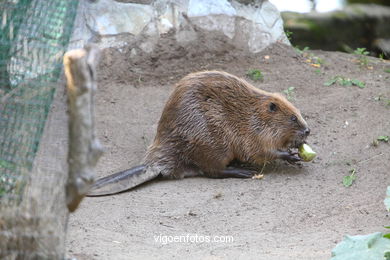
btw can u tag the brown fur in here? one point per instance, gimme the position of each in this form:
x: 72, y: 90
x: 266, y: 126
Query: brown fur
x: 213, y: 118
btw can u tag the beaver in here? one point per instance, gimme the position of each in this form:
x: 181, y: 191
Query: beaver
x: 211, y: 119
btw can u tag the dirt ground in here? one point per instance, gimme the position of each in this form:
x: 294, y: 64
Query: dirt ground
x: 292, y: 213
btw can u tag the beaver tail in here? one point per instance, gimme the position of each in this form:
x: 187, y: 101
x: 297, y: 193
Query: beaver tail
x: 122, y: 181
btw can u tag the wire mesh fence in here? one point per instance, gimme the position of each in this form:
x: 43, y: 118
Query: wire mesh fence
x: 33, y: 37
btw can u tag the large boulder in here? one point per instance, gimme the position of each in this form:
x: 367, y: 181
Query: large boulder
x: 343, y: 30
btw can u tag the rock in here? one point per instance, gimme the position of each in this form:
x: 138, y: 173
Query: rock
x: 115, y: 23
x: 383, y: 45
x: 209, y: 7
x: 108, y: 17
x: 354, y: 27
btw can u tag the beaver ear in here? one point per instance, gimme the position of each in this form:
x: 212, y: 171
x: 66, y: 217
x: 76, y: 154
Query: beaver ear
x: 272, y: 107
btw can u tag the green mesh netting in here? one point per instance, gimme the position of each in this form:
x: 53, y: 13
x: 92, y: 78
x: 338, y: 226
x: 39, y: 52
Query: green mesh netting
x: 33, y: 37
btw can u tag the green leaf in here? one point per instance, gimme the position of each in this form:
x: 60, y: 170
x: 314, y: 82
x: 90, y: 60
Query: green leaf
x: 387, y: 235
x: 387, y: 255
x: 361, y: 51
x: 387, y: 199
x: 348, y: 180
x: 288, y: 34
x: 330, y: 82
x: 345, y: 82
x: 367, y: 247
x: 387, y: 70
x: 255, y: 74
x: 383, y: 138
x: 358, y: 83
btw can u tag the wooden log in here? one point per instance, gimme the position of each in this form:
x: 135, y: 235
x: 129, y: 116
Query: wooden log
x: 84, y: 147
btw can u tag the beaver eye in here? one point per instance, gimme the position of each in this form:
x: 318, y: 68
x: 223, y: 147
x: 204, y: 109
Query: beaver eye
x: 272, y: 107
x: 294, y: 118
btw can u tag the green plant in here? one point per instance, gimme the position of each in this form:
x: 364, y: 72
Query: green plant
x: 345, y: 82
x: 382, y: 98
x: 361, y: 51
x: 362, y: 56
x: 383, y: 138
x: 289, y: 93
x: 255, y: 74
x: 288, y: 34
x: 349, y: 179
x: 373, y: 246
x: 387, y: 199
x: 387, y: 70
x: 362, y: 247
x: 378, y: 98
x: 387, y: 235
x: 301, y: 51
x: 330, y: 82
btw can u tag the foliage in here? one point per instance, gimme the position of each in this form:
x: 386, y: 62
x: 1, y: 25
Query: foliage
x: 345, y: 82
x: 382, y: 98
x: 349, y: 179
x: 362, y: 247
x: 362, y: 56
x: 387, y: 199
x: 288, y: 34
x: 255, y: 74
x: 374, y: 246
x: 301, y: 51
x: 361, y: 51
x: 289, y: 93
x: 383, y: 138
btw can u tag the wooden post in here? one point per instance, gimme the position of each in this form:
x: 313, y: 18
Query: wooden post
x: 35, y: 228
x: 84, y: 148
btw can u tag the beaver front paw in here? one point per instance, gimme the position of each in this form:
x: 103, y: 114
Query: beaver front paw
x: 289, y: 156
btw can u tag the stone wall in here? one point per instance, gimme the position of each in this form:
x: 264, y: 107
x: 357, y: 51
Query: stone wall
x: 250, y: 25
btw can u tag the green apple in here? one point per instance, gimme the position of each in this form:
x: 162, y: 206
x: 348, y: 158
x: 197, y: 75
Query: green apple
x: 306, y: 153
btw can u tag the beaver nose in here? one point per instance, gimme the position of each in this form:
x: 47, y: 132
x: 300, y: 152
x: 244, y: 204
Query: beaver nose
x: 306, y: 131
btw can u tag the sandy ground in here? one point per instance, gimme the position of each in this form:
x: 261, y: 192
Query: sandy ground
x: 292, y: 213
